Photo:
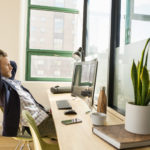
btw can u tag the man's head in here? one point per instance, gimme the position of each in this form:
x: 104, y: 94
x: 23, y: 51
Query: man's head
x: 5, y: 67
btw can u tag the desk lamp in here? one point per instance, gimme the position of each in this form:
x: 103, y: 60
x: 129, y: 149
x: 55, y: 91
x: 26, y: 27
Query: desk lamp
x: 79, y: 54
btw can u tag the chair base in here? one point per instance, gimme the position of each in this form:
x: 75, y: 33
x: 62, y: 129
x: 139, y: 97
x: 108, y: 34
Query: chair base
x: 22, y: 145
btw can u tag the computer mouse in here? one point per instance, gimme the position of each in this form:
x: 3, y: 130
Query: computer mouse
x: 70, y: 112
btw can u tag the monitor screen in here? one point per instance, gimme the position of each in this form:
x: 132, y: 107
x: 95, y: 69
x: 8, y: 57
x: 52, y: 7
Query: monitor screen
x: 83, y: 81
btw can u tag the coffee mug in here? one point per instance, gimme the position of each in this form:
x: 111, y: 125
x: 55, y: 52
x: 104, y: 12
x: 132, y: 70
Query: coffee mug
x: 98, y: 118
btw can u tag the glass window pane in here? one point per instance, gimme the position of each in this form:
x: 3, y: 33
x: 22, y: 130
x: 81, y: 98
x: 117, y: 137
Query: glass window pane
x: 123, y: 88
x: 142, y: 33
x: 142, y: 7
x: 58, y: 25
x: 74, y: 4
x: 134, y: 31
x: 98, y: 26
x: 46, y: 26
x: 98, y: 38
x: 51, y: 66
x: 134, y: 27
x: 58, y: 44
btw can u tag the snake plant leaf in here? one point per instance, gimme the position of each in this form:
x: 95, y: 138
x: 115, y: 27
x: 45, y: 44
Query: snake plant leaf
x: 138, y: 64
x: 134, y: 80
x: 141, y: 61
x: 146, y: 59
x: 143, y: 53
x: 141, y: 64
x: 145, y: 84
x: 139, y: 93
x: 140, y: 78
x: 139, y: 88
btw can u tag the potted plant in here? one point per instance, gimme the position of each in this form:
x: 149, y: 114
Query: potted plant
x: 137, y: 119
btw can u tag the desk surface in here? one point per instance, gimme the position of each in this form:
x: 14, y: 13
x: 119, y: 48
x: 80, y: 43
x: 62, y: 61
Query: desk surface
x: 79, y: 136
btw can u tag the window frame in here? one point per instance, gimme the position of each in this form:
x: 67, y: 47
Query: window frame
x: 131, y: 15
x: 44, y: 52
x: 114, y: 42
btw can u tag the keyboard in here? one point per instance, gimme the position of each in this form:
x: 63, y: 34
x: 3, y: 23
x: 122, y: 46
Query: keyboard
x: 63, y: 104
x: 58, y: 89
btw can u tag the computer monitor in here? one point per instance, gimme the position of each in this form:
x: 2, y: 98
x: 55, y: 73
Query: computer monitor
x: 83, y: 81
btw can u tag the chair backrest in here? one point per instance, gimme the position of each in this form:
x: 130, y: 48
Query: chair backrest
x: 34, y: 131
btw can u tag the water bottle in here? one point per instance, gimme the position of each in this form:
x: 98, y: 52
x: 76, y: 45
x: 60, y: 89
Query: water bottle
x: 102, y: 101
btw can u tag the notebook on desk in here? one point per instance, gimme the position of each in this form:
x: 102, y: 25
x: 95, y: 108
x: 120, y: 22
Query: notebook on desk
x: 117, y: 136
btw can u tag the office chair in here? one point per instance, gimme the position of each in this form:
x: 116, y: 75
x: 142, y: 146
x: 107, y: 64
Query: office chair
x: 1, y: 108
x: 21, y: 138
x: 25, y: 139
x: 39, y: 143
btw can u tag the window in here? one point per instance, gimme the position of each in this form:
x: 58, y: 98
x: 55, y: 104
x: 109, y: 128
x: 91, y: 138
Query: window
x: 53, y: 70
x: 98, y: 38
x: 59, y: 25
x: 59, y: 3
x: 58, y: 44
x: 135, y: 21
x: 137, y: 15
x: 116, y: 33
x: 54, y: 32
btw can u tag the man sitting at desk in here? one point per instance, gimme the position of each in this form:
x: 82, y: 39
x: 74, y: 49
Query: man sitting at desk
x: 14, y: 98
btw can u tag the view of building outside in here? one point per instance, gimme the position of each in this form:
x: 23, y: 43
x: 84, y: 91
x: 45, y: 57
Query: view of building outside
x: 50, y: 66
x: 54, y: 31
x: 49, y: 29
x: 74, y: 4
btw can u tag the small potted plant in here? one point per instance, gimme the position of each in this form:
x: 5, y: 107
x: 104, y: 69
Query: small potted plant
x: 137, y: 118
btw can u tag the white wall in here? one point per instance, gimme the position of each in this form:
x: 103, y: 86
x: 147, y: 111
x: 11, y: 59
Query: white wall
x: 9, y: 27
x: 39, y: 90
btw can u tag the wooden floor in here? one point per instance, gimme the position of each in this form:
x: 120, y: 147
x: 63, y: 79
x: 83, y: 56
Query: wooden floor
x: 8, y: 143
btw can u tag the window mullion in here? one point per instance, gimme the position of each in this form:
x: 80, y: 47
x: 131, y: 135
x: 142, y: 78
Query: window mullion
x: 56, y: 9
x: 51, y: 53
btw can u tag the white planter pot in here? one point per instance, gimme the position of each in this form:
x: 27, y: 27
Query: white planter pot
x: 137, y: 119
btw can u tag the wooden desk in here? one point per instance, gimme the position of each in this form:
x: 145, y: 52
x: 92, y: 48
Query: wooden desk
x: 79, y: 136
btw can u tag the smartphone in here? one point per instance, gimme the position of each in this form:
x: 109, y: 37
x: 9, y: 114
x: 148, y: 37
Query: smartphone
x: 71, y: 121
